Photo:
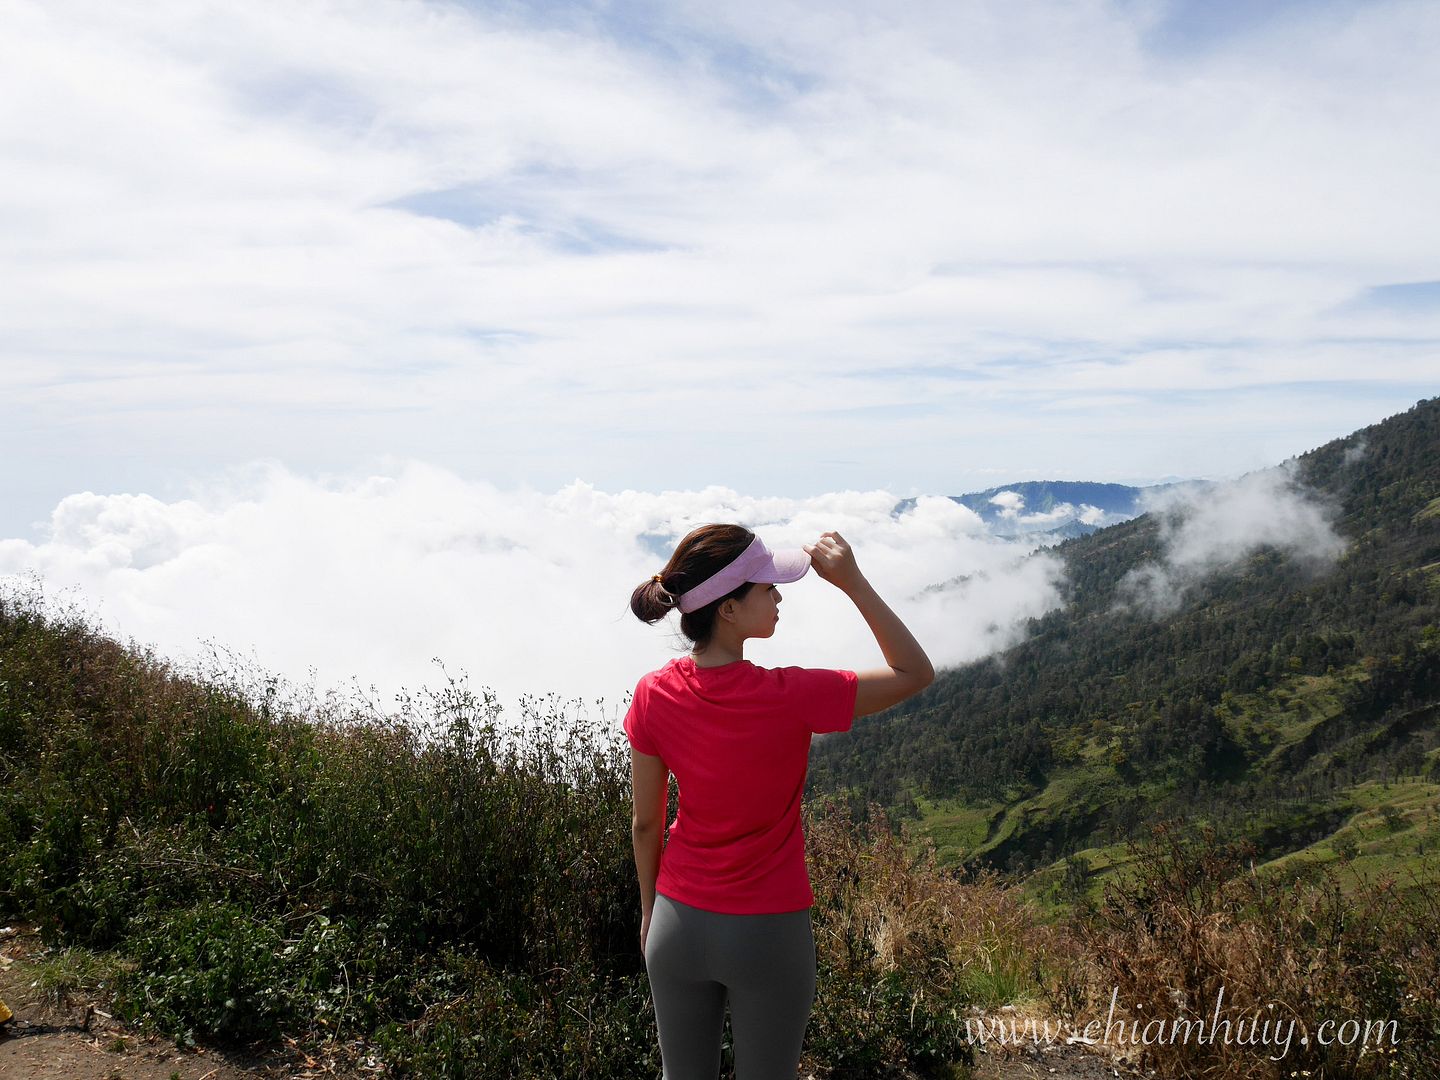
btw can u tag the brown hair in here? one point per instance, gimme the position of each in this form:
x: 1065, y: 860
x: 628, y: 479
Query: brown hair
x: 703, y: 552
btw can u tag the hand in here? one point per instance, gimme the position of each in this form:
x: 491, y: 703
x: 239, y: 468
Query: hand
x: 644, y: 931
x: 832, y: 558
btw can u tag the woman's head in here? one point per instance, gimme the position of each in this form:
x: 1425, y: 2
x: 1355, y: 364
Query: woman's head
x: 700, y: 555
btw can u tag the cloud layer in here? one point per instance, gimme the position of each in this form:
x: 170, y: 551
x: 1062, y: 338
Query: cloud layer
x: 371, y: 577
x: 1011, y: 510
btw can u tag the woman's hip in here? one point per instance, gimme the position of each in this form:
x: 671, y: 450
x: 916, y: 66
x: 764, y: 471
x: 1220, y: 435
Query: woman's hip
x: 696, y: 944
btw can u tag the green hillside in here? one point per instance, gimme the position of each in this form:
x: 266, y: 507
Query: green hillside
x: 1271, y: 702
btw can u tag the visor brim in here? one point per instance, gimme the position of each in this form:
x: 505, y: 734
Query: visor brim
x: 790, y: 564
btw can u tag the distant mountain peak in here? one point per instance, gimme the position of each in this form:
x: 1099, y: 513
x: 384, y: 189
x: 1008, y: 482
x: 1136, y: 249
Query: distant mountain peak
x: 1052, y: 510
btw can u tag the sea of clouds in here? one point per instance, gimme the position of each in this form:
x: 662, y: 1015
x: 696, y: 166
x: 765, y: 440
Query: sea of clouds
x: 403, y: 579
x: 377, y: 577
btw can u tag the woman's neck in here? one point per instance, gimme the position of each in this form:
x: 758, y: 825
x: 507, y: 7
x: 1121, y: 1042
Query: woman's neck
x: 716, y: 656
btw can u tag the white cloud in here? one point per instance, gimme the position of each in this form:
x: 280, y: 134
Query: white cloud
x: 373, y: 576
x: 1015, y: 521
x: 1206, y: 529
x: 1056, y: 515
x: 1010, y: 503
x: 204, y: 215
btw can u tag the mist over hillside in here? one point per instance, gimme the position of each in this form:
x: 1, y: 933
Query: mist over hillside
x: 1241, y: 652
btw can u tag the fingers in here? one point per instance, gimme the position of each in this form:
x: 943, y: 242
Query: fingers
x: 829, y: 555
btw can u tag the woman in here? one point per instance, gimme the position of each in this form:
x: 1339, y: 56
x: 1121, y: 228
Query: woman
x: 726, y: 912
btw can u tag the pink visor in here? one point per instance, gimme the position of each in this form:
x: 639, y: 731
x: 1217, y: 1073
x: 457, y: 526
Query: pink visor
x: 755, y: 563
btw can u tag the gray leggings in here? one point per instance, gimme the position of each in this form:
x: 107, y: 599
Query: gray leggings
x: 766, y: 966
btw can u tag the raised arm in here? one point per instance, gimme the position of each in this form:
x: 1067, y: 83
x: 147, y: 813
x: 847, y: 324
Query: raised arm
x: 909, y: 669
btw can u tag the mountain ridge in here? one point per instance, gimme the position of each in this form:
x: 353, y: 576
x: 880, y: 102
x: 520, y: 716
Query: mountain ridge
x: 1047, y: 511
x: 1271, y: 688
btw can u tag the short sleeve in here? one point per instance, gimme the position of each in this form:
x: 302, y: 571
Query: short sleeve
x: 635, y: 725
x: 824, y: 698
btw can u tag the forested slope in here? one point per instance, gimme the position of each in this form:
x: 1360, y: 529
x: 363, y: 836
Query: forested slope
x: 1274, y: 684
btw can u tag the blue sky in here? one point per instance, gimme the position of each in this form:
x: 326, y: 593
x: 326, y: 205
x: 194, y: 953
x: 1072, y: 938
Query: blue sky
x: 532, y: 242
x: 790, y: 249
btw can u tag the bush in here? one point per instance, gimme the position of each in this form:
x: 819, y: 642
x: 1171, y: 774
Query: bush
x: 207, y: 971
x: 905, y: 949
x: 459, y: 889
x: 488, y: 1022
x: 1192, y: 919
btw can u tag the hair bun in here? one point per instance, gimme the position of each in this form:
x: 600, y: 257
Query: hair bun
x: 653, y: 601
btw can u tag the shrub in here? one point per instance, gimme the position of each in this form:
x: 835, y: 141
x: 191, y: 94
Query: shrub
x: 1192, y: 920
x: 460, y: 889
x: 488, y: 1022
x: 905, y: 949
x: 208, y: 971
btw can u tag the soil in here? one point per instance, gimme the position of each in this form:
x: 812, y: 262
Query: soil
x: 78, y: 1040
x: 1057, y: 1062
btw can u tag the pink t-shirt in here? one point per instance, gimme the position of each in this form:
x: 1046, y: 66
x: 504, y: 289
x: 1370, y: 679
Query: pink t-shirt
x: 737, y: 738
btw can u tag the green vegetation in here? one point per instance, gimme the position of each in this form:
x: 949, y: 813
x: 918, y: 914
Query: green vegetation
x: 957, y: 829
x: 456, y: 892
x: 1394, y: 833
x: 1262, y: 705
x: 70, y: 973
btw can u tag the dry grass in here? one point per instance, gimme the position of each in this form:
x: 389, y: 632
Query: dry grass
x: 919, y: 950
x: 1196, y: 927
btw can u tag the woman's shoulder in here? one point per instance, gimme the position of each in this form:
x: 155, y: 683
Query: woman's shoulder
x: 798, y: 671
x: 808, y: 683
x: 667, y: 670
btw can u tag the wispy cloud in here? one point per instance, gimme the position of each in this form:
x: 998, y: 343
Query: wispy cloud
x: 465, y: 233
x: 1208, y: 529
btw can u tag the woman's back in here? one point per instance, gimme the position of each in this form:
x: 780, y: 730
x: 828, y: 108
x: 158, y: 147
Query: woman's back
x: 737, y: 739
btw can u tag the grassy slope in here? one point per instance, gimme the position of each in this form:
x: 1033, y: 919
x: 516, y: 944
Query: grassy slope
x: 1269, y: 723
x: 1405, y: 847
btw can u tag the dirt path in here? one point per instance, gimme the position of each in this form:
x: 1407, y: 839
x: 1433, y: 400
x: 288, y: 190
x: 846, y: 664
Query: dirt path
x: 75, y: 1039
x: 1051, y: 1062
